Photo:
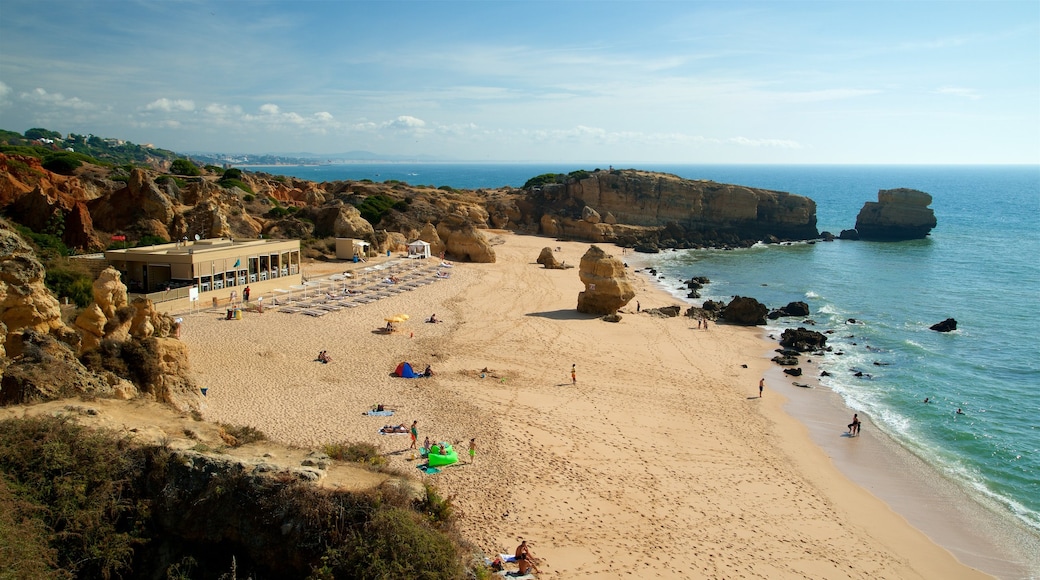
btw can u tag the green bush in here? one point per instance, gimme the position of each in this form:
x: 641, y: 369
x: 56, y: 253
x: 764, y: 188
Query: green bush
x: 62, y: 164
x: 184, y: 167
x: 579, y: 174
x: 231, y: 173
x: 374, y: 207
x: 76, y: 286
x: 76, y: 484
x: 544, y: 179
x: 366, y: 453
x: 214, y: 169
x: 150, y: 240
x: 248, y: 198
x: 277, y: 212
x: 229, y: 183
x: 49, y: 245
x: 393, y: 544
x: 241, y: 434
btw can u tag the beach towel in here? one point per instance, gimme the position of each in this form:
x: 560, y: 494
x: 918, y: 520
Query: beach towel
x: 381, y: 432
x: 507, y: 558
x: 379, y: 413
x: 427, y: 469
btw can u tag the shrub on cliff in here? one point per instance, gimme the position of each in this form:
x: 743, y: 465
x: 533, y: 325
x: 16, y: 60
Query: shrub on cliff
x: 71, y: 488
x: 68, y: 283
x: 184, y: 167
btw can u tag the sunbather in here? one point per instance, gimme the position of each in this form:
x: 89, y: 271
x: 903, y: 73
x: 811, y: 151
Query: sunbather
x: 394, y: 428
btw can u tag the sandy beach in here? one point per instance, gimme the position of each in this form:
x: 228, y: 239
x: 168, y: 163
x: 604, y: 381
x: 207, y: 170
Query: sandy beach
x: 660, y: 461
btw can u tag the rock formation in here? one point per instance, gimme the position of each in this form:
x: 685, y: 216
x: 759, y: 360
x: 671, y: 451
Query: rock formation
x: 25, y: 302
x: 948, y: 325
x: 694, y: 211
x: 606, y: 283
x: 803, y: 340
x: 548, y: 259
x: 110, y: 292
x: 429, y: 235
x: 463, y: 241
x: 792, y: 309
x: 898, y: 214
x: 45, y: 370
x: 745, y: 311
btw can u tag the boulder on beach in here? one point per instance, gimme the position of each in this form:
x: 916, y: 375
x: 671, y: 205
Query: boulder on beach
x: 548, y: 259
x: 606, y: 283
x: 803, y: 340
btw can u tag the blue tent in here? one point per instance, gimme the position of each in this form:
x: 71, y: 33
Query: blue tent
x: 404, y: 370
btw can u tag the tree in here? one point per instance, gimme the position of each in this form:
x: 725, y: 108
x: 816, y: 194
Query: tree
x: 184, y: 167
x: 38, y: 133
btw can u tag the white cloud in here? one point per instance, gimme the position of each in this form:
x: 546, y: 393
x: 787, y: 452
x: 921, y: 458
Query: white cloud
x: 4, y: 90
x: 324, y: 116
x: 170, y: 105
x: 41, y: 96
x: 970, y: 94
x: 405, y: 122
x: 269, y: 109
x: 219, y: 110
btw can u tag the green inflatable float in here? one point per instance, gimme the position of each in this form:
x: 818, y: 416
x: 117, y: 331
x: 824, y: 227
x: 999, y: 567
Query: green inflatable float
x: 446, y: 458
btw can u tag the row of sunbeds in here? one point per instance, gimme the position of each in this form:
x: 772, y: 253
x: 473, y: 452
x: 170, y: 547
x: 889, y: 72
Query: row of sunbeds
x: 320, y: 306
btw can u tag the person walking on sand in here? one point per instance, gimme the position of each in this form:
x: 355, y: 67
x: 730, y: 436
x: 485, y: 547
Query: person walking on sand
x: 574, y: 374
x: 472, y: 449
x: 761, y: 386
x: 415, y: 433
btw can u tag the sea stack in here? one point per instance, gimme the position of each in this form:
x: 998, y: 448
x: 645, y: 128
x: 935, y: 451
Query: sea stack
x: 897, y: 215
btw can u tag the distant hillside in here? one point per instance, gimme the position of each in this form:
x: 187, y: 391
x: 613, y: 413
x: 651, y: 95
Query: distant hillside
x: 44, y: 144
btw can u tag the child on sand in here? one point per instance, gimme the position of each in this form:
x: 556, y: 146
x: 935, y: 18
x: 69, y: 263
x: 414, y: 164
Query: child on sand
x: 472, y: 449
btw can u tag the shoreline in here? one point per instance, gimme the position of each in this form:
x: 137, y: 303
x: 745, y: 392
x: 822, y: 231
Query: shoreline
x: 655, y: 462
x: 978, y: 534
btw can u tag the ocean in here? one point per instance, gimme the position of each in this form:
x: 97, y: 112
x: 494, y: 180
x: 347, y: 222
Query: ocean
x: 980, y: 266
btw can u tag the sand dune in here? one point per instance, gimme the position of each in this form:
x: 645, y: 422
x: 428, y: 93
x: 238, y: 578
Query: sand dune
x: 660, y: 462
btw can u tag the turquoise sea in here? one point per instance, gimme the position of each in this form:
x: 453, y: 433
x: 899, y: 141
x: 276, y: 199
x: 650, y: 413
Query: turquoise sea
x: 981, y: 266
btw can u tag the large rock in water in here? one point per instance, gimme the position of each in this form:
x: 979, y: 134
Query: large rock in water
x: 803, y: 340
x: 745, y: 311
x: 898, y: 214
x: 606, y: 284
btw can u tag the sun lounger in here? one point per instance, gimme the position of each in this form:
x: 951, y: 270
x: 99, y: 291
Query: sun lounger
x: 314, y: 312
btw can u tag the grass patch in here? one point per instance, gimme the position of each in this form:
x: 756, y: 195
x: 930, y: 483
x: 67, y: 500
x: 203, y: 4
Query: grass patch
x: 239, y: 435
x: 365, y: 453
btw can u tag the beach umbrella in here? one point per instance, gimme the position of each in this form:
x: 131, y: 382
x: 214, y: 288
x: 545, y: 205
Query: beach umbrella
x: 403, y: 317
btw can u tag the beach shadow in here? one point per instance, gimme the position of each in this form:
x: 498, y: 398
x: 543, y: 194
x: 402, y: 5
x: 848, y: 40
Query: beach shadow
x: 563, y: 315
x: 753, y: 397
x: 848, y: 435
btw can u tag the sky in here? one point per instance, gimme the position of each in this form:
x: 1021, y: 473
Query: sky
x: 777, y: 82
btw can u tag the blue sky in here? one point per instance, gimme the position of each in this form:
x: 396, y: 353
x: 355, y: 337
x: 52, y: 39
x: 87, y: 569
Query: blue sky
x: 605, y: 82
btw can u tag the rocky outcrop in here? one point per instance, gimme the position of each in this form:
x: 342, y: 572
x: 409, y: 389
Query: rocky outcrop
x: 46, y: 370
x: 430, y: 236
x: 745, y: 311
x: 110, y: 292
x: 792, y: 309
x: 803, y: 340
x: 548, y: 259
x: 606, y: 283
x: 948, y: 325
x: 463, y: 241
x: 692, y: 211
x: 898, y: 214
x: 25, y: 301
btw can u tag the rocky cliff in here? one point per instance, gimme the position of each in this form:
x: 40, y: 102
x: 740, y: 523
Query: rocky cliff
x: 631, y: 207
x: 898, y: 214
x: 669, y: 210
